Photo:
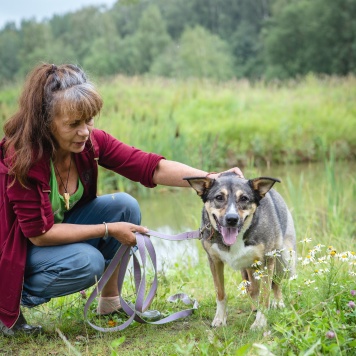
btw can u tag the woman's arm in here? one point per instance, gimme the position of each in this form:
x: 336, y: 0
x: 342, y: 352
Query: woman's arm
x: 63, y: 233
x: 171, y: 173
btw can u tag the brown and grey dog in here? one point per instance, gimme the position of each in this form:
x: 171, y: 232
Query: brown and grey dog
x: 247, y: 226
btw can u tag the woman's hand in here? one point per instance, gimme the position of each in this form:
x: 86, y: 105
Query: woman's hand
x: 125, y: 232
x: 235, y: 170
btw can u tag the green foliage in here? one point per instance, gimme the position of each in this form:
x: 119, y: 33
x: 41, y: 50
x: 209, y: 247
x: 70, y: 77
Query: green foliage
x: 152, y: 37
x: 9, y: 44
x: 199, y: 54
x: 311, y: 36
x: 240, y: 39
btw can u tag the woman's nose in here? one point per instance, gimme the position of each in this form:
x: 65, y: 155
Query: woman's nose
x: 84, y: 130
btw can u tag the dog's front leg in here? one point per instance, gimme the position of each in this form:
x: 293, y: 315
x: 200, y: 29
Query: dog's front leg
x: 217, y: 270
x: 265, y: 292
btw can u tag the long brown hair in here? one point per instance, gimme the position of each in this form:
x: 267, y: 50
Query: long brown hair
x: 48, y: 91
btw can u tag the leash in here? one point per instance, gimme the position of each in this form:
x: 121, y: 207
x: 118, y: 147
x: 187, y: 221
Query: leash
x: 122, y: 257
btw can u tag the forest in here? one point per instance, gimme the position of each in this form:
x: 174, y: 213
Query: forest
x: 216, y: 39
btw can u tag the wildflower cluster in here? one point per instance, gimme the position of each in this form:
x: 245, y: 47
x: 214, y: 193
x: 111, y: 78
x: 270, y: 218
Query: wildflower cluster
x: 331, y: 255
x: 260, y: 273
x: 288, y: 258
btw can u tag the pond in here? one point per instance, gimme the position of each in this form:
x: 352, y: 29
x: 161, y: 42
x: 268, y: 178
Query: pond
x: 177, y: 211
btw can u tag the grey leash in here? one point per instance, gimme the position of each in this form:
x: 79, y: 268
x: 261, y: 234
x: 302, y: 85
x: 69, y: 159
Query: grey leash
x: 122, y: 257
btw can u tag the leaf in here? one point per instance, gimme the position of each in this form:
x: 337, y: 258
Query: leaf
x: 241, y: 351
x: 311, y: 352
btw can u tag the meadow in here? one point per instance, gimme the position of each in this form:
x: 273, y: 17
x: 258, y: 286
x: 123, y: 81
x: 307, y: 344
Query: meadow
x: 215, y: 126
x: 218, y: 125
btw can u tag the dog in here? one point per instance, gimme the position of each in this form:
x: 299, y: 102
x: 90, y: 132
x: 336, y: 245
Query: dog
x: 246, y: 225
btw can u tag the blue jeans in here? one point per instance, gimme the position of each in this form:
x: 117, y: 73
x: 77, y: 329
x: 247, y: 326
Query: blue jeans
x: 54, y: 271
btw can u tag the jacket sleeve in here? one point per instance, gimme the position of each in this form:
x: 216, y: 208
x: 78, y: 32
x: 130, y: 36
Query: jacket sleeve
x: 126, y: 160
x: 32, y: 207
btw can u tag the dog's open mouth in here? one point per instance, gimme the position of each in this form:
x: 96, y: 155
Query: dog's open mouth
x: 229, y: 234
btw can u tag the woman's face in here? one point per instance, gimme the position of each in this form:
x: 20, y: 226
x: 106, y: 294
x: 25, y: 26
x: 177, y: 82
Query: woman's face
x: 71, y: 133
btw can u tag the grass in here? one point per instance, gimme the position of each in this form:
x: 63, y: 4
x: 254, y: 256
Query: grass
x: 218, y: 125
x: 319, y: 318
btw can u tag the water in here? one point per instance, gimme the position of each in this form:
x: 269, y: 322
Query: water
x: 177, y: 211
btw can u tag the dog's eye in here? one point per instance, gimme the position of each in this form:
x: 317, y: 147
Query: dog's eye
x: 244, y: 199
x: 219, y: 197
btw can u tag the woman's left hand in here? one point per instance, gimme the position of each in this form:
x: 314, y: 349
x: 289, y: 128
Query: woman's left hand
x: 235, y: 170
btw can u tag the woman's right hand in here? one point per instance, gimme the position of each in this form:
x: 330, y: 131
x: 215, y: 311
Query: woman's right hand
x: 125, y: 232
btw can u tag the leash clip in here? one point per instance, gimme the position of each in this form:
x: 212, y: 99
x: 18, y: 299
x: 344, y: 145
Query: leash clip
x: 202, y: 229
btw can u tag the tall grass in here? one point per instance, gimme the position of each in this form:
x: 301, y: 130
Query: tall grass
x: 218, y: 125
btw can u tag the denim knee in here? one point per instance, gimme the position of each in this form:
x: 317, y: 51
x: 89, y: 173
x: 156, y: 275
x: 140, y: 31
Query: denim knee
x: 69, y: 269
x: 126, y: 206
x: 90, y: 266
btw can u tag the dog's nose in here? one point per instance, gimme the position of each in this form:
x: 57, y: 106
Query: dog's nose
x: 232, y: 219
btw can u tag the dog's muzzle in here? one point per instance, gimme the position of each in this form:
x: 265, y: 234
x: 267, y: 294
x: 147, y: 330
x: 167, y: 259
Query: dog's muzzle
x: 229, y: 229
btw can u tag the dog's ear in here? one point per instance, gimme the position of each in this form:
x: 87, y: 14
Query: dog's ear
x: 262, y: 184
x: 200, y: 184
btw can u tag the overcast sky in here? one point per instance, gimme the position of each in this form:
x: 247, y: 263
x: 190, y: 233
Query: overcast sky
x: 16, y: 10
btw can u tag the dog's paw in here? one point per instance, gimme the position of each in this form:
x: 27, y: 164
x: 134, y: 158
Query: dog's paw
x: 278, y: 304
x: 218, y: 321
x: 221, y: 313
x: 260, y: 321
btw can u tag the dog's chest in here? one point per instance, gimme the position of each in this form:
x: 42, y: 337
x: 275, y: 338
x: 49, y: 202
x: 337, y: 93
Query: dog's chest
x: 238, y: 256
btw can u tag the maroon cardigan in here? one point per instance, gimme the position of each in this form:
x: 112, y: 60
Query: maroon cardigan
x: 28, y: 213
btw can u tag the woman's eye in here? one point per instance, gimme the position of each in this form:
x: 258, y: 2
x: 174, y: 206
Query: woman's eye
x: 219, y: 198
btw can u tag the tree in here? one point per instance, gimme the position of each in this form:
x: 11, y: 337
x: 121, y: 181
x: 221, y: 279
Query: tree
x: 199, y: 54
x: 34, y: 39
x: 312, y: 36
x: 103, y: 57
x: 151, y: 37
x: 9, y: 50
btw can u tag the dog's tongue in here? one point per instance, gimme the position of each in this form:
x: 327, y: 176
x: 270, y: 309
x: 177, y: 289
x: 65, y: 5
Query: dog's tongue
x: 229, y: 235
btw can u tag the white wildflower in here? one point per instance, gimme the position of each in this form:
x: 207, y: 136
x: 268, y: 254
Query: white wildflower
x: 318, y: 247
x: 321, y: 260
x: 308, y: 259
x: 256, y: 263
x: 320, y: 271
x: 274, y: 253
x: 306, y: 240
x: 242, y: 287
x: 344, y: 257
x: 308, y: 282
x: 352, y: 263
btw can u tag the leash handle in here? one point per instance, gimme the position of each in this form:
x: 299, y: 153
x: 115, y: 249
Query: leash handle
x: 122, y: 257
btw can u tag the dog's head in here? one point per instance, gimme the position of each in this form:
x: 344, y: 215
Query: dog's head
x: 230, y: 200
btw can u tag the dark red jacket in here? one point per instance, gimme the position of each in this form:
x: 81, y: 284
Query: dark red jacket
x: 28, y: 213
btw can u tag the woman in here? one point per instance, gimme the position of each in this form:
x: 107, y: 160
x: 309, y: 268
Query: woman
x: 56, y: 235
